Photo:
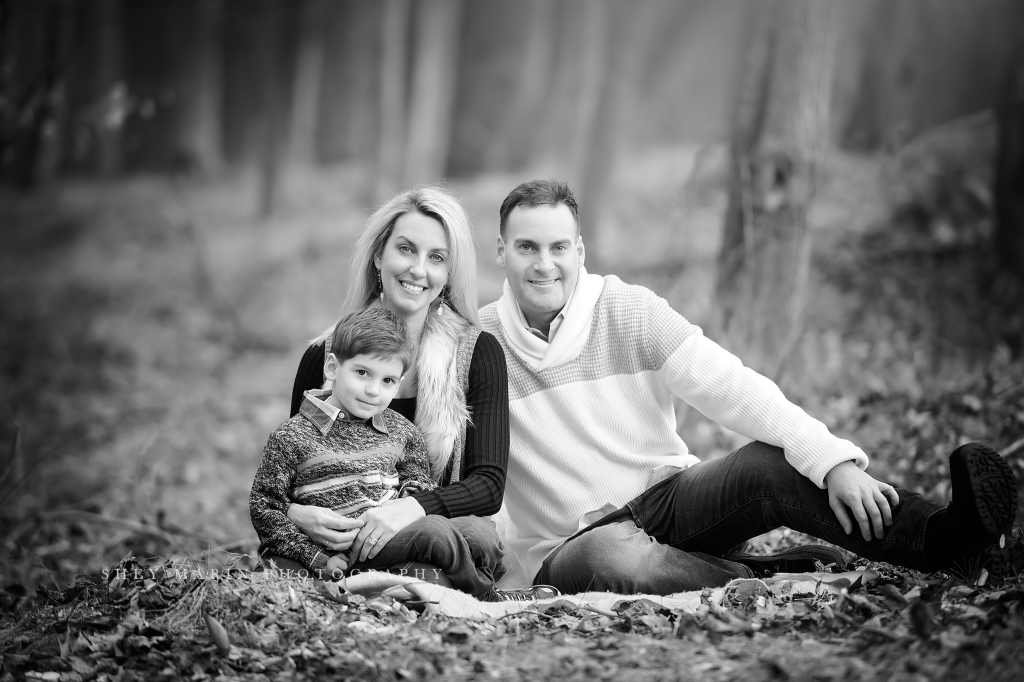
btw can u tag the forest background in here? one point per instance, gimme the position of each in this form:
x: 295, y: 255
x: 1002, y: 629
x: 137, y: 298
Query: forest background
x: 834, y: 190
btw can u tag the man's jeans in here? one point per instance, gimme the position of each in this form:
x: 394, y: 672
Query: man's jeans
x: 465, y: 549
x: 671, y: 538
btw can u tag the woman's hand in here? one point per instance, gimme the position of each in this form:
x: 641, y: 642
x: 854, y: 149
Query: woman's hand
x: 324, y: 527
x: 870, y: 501
x: 381, y: 524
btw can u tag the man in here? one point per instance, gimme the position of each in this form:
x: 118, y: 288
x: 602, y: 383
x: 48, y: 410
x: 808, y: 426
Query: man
x: 602, y: 493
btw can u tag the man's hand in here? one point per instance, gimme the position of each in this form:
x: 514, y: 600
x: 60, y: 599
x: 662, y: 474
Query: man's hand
x: 381, y: 524
x: 336, y: 566
x: 324, y: 527
x: 852, y: 490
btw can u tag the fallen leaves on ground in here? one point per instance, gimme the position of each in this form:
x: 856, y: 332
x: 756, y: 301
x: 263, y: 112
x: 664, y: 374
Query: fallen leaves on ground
x: 183, y: 620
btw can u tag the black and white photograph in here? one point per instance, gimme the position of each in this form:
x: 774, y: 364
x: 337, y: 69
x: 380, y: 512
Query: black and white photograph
x: 412, y: 340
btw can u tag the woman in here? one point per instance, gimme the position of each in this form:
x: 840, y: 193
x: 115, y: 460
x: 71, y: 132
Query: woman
x: 416, y: 258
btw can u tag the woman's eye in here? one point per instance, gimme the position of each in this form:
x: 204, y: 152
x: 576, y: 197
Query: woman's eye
x: 438, y: 258
x: 389, y: 381
x: 404, y: 248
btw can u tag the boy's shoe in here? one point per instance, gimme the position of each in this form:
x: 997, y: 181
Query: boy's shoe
x: 802, y: 559
x: 532, y: 593
x: 977, y: 523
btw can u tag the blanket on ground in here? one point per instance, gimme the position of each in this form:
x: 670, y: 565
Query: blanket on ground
x: 446, y: 601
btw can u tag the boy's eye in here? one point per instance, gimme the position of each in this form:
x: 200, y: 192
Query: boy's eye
x: 362, y: 372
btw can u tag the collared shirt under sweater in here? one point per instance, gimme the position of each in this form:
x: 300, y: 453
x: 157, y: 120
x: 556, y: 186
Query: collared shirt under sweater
x: 324, y: 457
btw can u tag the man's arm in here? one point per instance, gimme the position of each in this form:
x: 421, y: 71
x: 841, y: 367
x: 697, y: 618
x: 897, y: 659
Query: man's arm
x: 717, y: 383
x: 268, y: 506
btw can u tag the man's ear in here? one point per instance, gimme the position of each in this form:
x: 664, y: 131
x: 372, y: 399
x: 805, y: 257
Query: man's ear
x: 501, y: 252
x: 331, y: 367
x: 581, y: 251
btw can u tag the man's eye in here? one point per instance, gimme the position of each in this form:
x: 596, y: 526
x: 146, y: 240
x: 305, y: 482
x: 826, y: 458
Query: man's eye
x: 525, y: 247
x: 561, y: 247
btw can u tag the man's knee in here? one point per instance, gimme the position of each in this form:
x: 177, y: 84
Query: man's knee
x: 618, y: 549
x: 767, y: 462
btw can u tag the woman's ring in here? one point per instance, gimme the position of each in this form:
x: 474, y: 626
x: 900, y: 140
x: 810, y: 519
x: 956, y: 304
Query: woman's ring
x: 373, y: 541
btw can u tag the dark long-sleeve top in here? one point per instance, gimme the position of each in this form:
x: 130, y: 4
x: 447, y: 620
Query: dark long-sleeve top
x: 485, y: 461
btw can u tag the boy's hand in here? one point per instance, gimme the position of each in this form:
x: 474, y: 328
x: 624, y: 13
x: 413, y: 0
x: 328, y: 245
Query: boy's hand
x: 324, y: 527
x: 851, y: 488
x: 336, y: 566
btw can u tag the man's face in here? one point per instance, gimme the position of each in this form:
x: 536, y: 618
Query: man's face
x: 541, y: 256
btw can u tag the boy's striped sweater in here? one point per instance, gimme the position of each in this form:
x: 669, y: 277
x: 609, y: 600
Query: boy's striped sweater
x: 321, y: 458
x: 592, y: 429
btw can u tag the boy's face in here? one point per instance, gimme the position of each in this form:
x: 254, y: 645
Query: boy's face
x: 363, y: 385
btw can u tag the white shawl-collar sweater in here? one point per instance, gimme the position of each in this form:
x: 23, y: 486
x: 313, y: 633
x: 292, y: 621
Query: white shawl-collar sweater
x: 590, y: 428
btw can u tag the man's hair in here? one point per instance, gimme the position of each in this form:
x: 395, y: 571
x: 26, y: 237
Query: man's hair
x: 539, y: 193
x: 372, y: 331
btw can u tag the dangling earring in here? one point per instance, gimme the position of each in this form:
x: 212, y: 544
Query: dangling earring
x: 444, y: 299
x: 380, y: 283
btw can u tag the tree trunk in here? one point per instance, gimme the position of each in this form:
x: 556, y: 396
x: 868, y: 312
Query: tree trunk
x: 434, y: 81
x: 393, y: 78
x: 1009, y: 175
x: 511, y: 147
x: 781, y: 125
x: 594, y: 28
x: 308, y: 78
x: 618, y: 93
x: 111, y: 91
x: 34, y: 126
x: 203, y: 90
x: 272, y: 102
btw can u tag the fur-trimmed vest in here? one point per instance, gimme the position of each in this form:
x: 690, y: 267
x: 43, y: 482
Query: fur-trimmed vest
x: 442, y: 367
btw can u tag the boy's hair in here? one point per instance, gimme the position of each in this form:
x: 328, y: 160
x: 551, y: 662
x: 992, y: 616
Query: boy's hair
x: 372, y: 331
x: 539, y: 193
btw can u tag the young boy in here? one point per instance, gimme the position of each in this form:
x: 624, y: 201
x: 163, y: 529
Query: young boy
x: 346, y: 451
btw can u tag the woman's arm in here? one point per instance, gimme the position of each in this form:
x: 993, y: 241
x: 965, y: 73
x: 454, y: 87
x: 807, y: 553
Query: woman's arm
x: 310, y: 375
x: 485, y: 461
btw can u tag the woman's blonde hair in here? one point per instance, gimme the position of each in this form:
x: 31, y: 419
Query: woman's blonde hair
x: 433, y: 202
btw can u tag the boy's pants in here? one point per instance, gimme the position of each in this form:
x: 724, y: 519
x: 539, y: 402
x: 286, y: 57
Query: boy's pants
x: 466, y: 549
x: 671, y: 537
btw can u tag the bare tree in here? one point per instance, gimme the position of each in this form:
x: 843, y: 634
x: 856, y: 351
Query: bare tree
x: 510, y: 147
x: 1009, y: 176
x: 780, y: 127
x: 270, y: 29
x: 111, y: 91
x: 393, y: 77
x: 204, y: 91
x: 434, y: 79
x: 608, y: 114
x: 306, y: 86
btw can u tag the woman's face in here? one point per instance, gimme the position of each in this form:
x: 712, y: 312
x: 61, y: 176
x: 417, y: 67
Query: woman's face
x: 413, y: 264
